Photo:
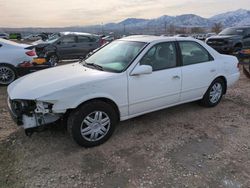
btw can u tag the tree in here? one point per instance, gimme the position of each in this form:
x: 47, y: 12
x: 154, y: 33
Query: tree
x: 171, y: 29
x: 217, y: 27
x: 196, y: 30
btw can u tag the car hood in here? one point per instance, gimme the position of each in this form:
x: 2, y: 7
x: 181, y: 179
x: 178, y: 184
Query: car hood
x: 46, y: 82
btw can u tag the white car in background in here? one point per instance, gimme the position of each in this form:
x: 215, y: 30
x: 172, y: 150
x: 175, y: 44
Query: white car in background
x: 124, y: 79
x: 4, y: 36
x: 14, y: 59
x: 32, y: 37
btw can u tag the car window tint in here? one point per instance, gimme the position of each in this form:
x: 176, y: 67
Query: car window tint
x: 82, y: 39
x: 161, y: 56
x: 193, y: 53
x: 68, y: 39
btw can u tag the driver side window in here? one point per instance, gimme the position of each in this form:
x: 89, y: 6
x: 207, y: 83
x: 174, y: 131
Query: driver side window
x: 161, y: 56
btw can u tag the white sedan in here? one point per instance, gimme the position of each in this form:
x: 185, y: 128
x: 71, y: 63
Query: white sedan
x: 14, y: 60
x: 124, y: 79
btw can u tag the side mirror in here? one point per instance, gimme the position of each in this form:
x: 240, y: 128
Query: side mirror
x: 142, y: 69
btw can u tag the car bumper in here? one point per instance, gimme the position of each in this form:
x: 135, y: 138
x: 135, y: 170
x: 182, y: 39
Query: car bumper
x: 232, y: 79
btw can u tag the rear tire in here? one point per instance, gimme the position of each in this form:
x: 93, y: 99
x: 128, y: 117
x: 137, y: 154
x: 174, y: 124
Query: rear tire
x: 7, y: 74
x: 214, y: 93
x: 92, y: 123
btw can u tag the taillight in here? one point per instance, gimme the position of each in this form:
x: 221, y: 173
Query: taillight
x: 31, y: 53
x: 245, y: 51
x: 25, y: 64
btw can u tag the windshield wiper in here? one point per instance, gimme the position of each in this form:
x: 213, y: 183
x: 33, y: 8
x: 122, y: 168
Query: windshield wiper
x: 99, y: 67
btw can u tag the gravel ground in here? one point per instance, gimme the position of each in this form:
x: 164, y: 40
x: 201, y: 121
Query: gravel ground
x: 183, y: 146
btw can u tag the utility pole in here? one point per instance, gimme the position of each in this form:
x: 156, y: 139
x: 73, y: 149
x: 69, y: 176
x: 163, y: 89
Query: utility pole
x: 124, y: 29
x: 165, y: 27
x: 102, y: 29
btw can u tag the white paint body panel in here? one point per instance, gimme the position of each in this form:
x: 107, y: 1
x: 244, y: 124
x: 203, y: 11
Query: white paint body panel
x: 13, y: 53
x: 69, y: 86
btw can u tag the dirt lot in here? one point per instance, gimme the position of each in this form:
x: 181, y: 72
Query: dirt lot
x: 184, y: 146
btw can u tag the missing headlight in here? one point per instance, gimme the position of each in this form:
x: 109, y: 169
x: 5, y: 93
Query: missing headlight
x: 43, y: 107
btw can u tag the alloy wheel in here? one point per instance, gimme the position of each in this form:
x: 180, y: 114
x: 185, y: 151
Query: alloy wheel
x: 7, y: 75
x: 95, y: 126
x: 215, y: 93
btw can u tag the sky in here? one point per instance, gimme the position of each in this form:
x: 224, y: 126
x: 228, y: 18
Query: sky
x: 57, y: 13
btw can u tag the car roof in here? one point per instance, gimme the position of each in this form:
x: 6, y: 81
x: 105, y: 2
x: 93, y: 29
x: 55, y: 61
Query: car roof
x: 77, y: 33
x: 151, y: 38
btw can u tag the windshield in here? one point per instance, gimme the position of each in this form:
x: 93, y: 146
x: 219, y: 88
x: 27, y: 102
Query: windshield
x: 53, y: 38
x: 116, y: 56
x: 232, y: 31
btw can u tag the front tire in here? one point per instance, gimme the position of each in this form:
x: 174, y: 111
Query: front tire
x: 214, y: 93
x: 92, y: 123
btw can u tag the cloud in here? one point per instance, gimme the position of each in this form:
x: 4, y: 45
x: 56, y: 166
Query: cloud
x: 17, y: 13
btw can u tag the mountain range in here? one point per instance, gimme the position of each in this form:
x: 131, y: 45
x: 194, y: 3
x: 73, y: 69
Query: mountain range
x: 239, y: 17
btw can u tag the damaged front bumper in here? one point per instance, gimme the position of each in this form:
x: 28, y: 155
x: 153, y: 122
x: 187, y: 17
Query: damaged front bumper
x: 32, y: 114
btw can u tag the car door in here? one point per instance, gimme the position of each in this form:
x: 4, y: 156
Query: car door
x: 162, y: 87
x: 84, y: 45
x: 198, y: 71
x: 66, y: 48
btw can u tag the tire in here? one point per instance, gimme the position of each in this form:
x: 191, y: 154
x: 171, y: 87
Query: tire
x: 237, y: 48
x: 53, y: 59
x: 7, y: 74
x: 214, y: 93
x: 85, y: 127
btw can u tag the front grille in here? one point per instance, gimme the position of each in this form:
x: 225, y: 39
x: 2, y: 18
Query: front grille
x: 216, y: 42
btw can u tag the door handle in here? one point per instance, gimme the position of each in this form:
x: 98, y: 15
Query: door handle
x: 176, y: 77
x: 73, y: 45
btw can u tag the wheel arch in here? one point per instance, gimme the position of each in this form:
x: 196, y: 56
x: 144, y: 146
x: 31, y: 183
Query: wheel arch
x: 238, y: 44
x: 104, y: 99
x: 225, y: 82
x: 9, y: 65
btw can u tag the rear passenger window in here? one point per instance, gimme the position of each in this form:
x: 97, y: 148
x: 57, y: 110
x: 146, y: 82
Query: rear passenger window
x: 68, y: 39
x: 82, y: 39
x: 193, y: 53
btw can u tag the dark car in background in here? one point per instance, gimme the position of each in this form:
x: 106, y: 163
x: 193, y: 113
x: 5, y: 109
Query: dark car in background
x: 15, y: 36
x: 230, y: 40
x: 68, y: 45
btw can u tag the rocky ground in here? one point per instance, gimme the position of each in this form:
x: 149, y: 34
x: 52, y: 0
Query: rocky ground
x: 183, y: 146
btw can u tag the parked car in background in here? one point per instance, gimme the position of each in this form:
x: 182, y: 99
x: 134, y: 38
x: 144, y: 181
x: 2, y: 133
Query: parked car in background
x: 230, y: 39
x: 124, y: 79
x: 108, y: 39
x: 32, y: 37
x: 15, y: 36
x: 4, y: 36
x: 210, y: 35
x: 68, y: 45
x: 201, y: 37
x: 16, y: 60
